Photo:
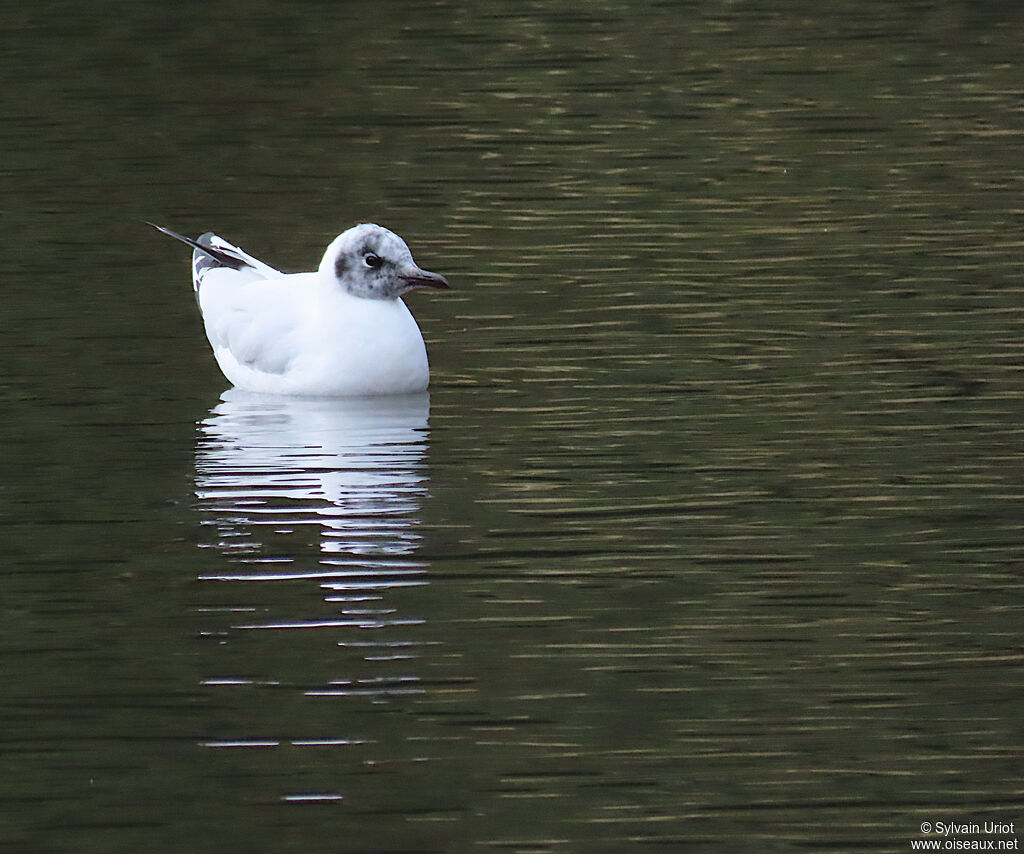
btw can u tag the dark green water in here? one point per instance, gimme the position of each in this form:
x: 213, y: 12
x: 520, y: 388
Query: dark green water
x: 709, y: 536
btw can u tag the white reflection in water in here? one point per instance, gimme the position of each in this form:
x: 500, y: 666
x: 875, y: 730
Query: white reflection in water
x: 347, y: 470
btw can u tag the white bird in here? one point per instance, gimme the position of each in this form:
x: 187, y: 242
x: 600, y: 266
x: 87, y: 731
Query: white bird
x: 341, y: 331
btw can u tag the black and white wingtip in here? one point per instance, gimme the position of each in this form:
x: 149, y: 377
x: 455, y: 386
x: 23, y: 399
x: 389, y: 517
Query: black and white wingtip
x: 225, y: 255
x: 212, y: 252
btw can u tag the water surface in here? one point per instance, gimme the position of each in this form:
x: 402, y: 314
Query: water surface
x: 708, y: 536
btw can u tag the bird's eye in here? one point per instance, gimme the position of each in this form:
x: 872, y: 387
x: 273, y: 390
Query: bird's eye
x: 372, y: 261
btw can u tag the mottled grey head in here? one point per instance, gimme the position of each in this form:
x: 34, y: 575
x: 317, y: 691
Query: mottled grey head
x: 371, y: 262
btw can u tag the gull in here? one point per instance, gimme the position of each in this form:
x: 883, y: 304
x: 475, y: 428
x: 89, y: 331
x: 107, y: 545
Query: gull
x: 340, y: 331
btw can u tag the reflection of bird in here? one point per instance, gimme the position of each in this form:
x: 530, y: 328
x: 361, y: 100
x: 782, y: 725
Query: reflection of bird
x: 342, y: 330
x: 352, y: 470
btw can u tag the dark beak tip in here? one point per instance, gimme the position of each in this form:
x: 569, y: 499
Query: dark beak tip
x: 429, y: 280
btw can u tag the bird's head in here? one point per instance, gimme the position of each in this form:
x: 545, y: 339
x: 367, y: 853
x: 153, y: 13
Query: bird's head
x: 371, y: 262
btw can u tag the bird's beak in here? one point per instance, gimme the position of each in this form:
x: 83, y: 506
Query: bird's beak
x: 424, y: 279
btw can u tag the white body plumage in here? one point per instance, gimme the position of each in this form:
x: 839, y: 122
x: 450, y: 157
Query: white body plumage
x: 340, y: 331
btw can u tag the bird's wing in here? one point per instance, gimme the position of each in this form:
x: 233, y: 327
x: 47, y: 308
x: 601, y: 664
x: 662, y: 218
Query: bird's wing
x: 258, y: 322
x: 252, y: 312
